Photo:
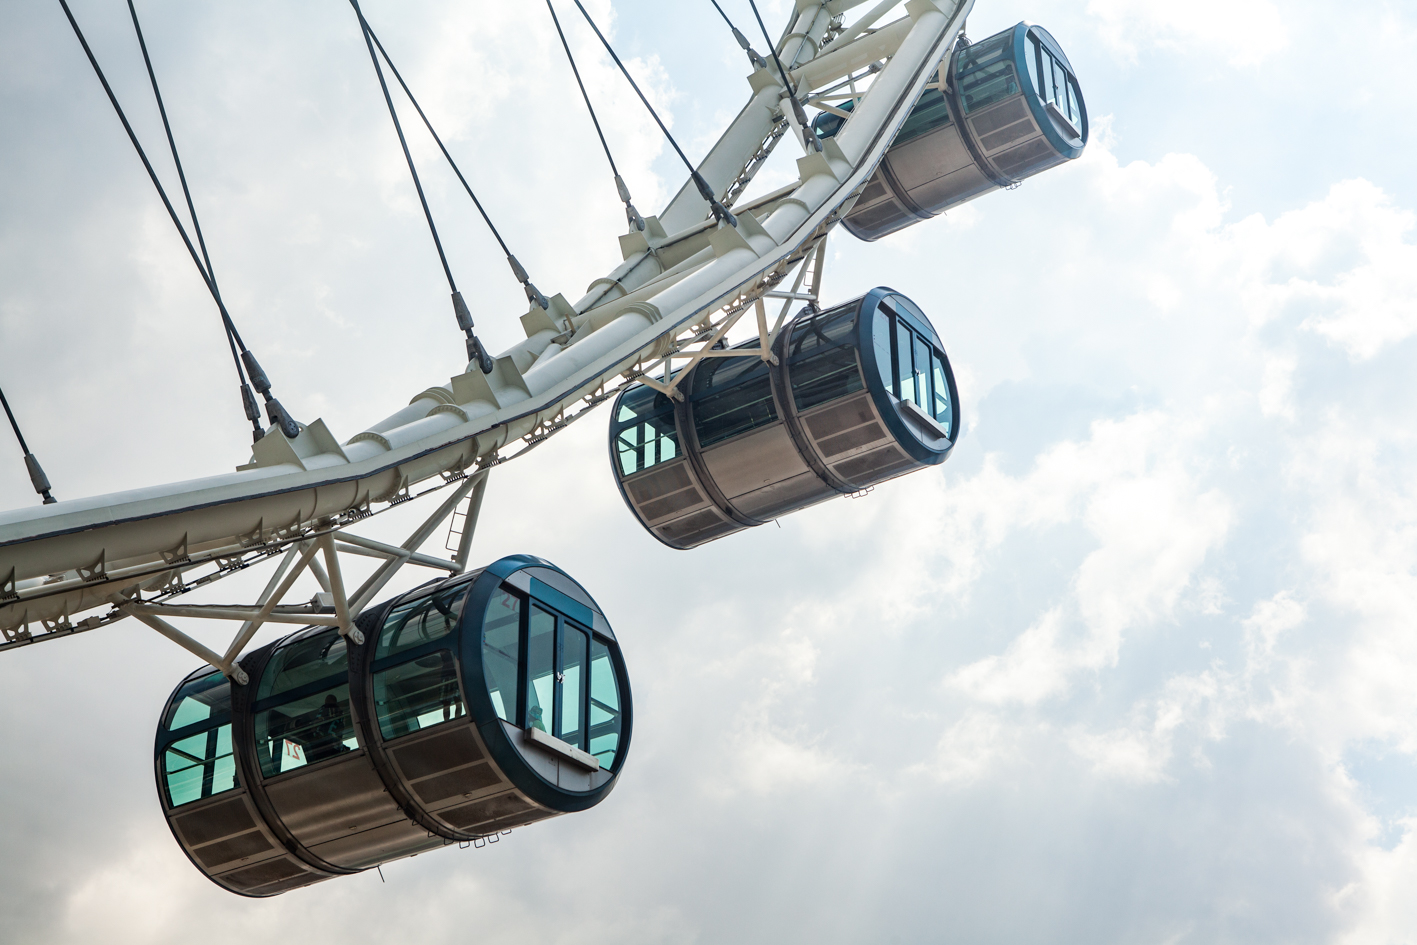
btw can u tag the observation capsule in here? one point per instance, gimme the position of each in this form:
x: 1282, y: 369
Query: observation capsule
x: 476, y: 704
x: 989, y: 128
x: 861, y: 393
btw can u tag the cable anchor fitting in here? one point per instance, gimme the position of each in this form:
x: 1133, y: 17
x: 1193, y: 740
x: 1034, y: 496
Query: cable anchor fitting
x: 475, y: 351
x: 278, y: 415
x: 533, y: 295
x: 758, y: 61
x: 38, y: 478
x: 720, y: 212
x: 253, y: 412
x: 632, y: 216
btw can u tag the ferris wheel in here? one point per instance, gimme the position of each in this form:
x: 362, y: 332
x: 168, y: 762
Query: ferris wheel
x: 497, y: 696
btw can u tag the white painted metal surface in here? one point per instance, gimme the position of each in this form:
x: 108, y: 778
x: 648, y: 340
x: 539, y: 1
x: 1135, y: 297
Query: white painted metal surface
x: 684, y: 279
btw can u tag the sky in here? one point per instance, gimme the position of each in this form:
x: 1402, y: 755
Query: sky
x: 1135, y: 666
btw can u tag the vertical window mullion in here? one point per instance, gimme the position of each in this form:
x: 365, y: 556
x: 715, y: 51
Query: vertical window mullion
x: 1038, y: 60
x: 587, y: 674
x: 519, y: 713
x: 209, y: 763
x: 554, y: 725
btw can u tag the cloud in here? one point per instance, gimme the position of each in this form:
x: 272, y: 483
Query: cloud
x: 1245, y: 32
x: 1112, y: 660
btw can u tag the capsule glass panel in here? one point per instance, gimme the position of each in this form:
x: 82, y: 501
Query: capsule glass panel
x: 303, y: 712
x: 829, y: 418
x: 501, y: 654
x: 1011, y: 108
x: 197, y: 761
x: 482, y: 703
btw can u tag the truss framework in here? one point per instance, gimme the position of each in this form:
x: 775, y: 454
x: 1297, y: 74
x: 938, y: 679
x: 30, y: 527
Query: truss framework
x: 315, y: 546
x: 324, y: 541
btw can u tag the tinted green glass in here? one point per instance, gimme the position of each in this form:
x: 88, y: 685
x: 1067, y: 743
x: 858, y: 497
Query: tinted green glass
x: 572, y: 680
x: 199, y: 766
x: 207, y: 698
x: 922, y: 373
x: 737, y: 398
x: 941, y: 387
x: 1033, y: 55
x: 305, y: 730
x: 983, y: 53
x: 827, y: 330
x: 830, y: 375
x: 988, y: 85
x: 605, y: 720
x: 647, y: 444
x: 541, y: 669
x: 881, y: 340
x: 644, y: 430
x: 501, y: 653
x: 421, y: 620
x: 418, y: 694
x: 904, y: 371
x: 929, y: 113
x: 303, y: 662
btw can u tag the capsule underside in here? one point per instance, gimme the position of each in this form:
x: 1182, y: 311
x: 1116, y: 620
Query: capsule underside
x: 1011, y: 108
x: 481, y: 703
x: 861, y: 393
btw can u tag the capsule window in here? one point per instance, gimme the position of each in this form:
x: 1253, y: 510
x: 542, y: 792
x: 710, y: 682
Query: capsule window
x: 922, y: 373
x: 929, y: 113
x: 881, y: 331
x: 566, y: 672
x: 199, y: 766
x: 417, y: 694
x: 982, y: 53
x: 541, y: 661
x: 941, y: 386
x: 734, y: 397
x: 199, y: 763
x: 415, y: 684
x: 572, y: 685
x: 501, y: 654
x: 823, y: 359
x: 988, y: 85
x: 302, y: 705
x: 919, y: 367
x: 201, y: 700
x: 904, y: 366
x: 605, y: 718
x: 645, y: 432
x: 421, y: 620
x: 1055, y: 84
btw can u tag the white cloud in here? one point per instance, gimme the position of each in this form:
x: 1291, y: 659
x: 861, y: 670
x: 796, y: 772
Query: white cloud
x: 1246, y: 32
x: 1166, y: 588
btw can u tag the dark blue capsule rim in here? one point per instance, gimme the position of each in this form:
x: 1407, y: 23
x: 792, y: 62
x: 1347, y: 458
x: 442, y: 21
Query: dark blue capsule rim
x: 1036, y: 105
x: 884, y: 398
x: 494, y: 734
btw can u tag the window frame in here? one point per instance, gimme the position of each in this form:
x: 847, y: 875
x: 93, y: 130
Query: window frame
x: 211, y: 726
x: 521, y: 718
x: 328, y: 684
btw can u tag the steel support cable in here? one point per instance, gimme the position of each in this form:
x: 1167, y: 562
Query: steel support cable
x: 809, y: 137
x: 720, y: 212
x: 631, y: 214
x: 753, y: 57
x: 475, y: 349
x: 532, y: 293
x: 37, y: 477
x: 278, y: 415
x: 248, y: 400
